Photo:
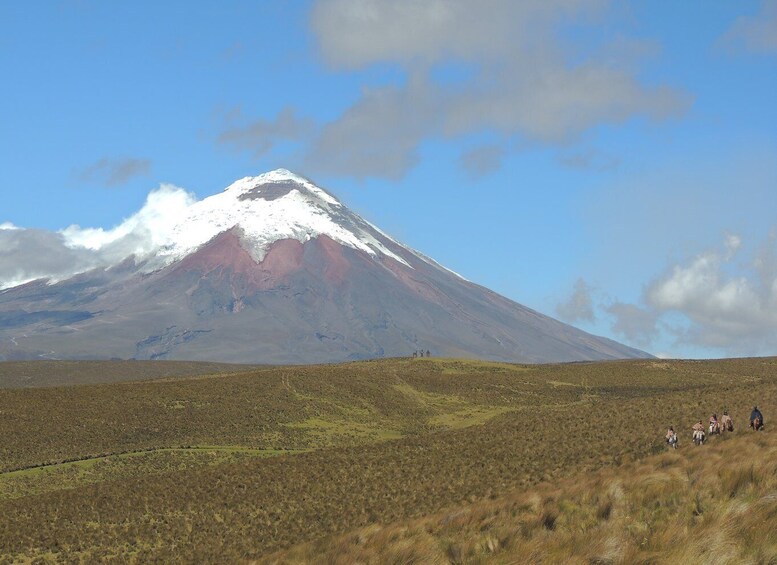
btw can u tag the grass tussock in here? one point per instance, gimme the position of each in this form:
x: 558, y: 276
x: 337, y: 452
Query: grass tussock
x: 646, y: 512
x: 359, y: 447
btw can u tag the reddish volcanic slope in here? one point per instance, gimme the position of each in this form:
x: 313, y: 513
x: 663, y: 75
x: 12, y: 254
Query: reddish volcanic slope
x: 317, y: 301
x: 224, y: 255
x: 276, y: 270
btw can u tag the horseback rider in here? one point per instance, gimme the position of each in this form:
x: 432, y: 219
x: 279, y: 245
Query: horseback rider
x: 756, y: 415
x: 671, y: 437
x: 714, y: 425
x: 698, y: 431
x: 726, y: 423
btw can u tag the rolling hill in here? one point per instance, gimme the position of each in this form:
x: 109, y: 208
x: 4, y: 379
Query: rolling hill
x: 238, y: 467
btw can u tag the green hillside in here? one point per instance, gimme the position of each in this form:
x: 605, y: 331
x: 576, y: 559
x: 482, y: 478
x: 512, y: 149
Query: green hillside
x: 237, y: 466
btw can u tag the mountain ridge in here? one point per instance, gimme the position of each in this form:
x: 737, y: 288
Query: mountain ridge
x: 277, y: 270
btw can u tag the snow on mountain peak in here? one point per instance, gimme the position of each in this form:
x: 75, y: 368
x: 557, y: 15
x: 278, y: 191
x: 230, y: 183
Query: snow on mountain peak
x: 172, y: 224
x: 271, y: 182
x: 269, y: 207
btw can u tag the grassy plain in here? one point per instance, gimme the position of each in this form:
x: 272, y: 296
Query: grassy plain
x: 712, y: 504
x: 31, y: 374
x: 237, y: 466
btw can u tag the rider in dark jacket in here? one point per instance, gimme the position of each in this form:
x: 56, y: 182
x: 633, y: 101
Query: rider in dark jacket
x: 756, y: 413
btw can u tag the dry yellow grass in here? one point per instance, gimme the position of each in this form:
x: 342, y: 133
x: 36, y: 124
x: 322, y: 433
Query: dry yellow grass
x: 715, y: 504
x: 471, y: 433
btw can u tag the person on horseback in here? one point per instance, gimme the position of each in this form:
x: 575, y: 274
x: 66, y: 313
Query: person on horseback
x: 756, y: 419
x: 698, y: 433
x: 714, y: 424
x: 726, y: 423
x: 671, y: 437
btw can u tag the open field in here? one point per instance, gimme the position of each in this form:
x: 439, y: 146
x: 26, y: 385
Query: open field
x: 712, y: 504
x: 237, y: 466
x: 31, y: 374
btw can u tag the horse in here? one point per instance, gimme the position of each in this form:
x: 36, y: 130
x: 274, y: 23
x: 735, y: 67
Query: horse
x: 672, y: 441
x: 757, y: 424
x: 698, y: 437
x: 715, y: 427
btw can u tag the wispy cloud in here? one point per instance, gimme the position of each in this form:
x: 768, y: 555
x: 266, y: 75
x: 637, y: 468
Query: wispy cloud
x: 113, y: 171
x: 635, y: 324
x: 589, y: 160
x: 579, y: 306
x: 233, y: 51
x: 379, y: 135
x: 259, y: 136
x: 480, y: 161
x: 755, y: 34
x: 522, y: 84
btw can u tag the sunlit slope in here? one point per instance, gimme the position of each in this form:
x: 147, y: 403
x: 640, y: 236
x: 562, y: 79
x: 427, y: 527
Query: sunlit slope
x: 238, y: 466
x: 711, y: 504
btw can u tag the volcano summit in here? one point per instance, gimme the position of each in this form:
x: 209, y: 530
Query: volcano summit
x: 275, y: 269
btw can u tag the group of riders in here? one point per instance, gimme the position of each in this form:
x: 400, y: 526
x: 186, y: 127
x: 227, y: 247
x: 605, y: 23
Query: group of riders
x: 716, y: 426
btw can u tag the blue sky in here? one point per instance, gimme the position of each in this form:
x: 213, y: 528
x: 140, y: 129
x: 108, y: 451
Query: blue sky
x: 612, y: 165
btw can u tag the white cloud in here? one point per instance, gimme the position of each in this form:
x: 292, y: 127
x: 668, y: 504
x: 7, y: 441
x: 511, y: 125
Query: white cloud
x: 720, y: 302
x: 8, y: 226
x: 379, y: 135
x: 27, y: 254
x: 522, y: 82
x: 358, y: 33
x: 736, y: 313
x: 733, y: 242
x: 140, y: 234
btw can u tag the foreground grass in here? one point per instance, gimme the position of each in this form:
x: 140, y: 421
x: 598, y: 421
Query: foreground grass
x: 382, y: 441
x: 712, y: 504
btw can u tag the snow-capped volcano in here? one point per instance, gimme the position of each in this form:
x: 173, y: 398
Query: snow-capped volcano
x: 270, y: 207
x: 273, y: 269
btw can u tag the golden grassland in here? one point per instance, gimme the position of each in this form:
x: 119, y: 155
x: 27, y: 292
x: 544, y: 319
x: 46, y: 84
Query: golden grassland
x: 30, y: 374
x: 711, y: 504
x: 234, y: 467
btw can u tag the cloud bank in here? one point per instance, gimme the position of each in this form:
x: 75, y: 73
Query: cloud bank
x: 516, y: 74
x: 30, y: 254
x: 723, y: 299
x: 728, y: 307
